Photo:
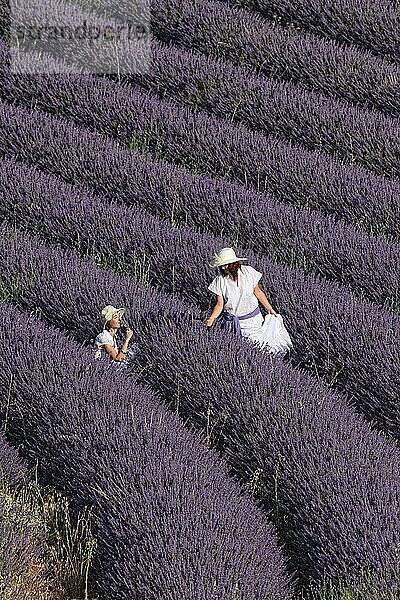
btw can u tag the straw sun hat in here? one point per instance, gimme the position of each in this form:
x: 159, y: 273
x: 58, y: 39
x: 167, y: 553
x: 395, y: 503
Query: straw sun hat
x: 109, y: 311
x: 225, y: 257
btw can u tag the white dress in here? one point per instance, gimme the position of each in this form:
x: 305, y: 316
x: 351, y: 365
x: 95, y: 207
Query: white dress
x: 104, y: 337
x: 239, y: 299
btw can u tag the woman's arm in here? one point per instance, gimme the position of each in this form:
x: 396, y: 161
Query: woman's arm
x: 264, y: 300
x: 119, y: 356
x: 217, y: 310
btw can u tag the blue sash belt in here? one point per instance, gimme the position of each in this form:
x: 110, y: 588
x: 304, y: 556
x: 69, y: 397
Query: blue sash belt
x: 233, y: 323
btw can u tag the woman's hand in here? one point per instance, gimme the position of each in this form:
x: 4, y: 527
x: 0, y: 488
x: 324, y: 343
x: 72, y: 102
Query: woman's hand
x: 259, y: 294
x: 217, y: 310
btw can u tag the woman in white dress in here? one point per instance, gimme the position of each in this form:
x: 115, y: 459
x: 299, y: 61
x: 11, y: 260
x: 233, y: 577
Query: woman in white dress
x: 238, y: 295
x: 105, y: 343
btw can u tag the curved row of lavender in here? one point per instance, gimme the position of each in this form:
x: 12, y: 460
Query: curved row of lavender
x: 303, y: 239
x: 269, y: 420
x: 280, y: 108
x: 204, y: 143
x: 371, y: 24
x: 359, y: 354
x: 168, y: 521
x: 247, y: 39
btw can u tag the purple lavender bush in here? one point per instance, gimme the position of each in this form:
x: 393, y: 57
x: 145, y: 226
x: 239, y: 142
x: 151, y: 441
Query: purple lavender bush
x: 269, y: 420
x: 197, y: 142
x: 169, y: 522
x: 372, y: 25
x: 249, y: 40
x: 288, y: 54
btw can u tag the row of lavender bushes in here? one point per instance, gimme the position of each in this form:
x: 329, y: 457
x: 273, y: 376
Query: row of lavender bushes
x: 283, y: 109
x: 304, y: 239
x: 373, y: 24
x: 24, y: 554
x: 358, y: 353
x: 269, y: 420
x: 247, y: 39
x: 279, y: 108
x: 206, y: 145
x: 169, y: 522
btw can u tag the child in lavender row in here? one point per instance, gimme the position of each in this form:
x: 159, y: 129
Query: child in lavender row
x: 105, y: 343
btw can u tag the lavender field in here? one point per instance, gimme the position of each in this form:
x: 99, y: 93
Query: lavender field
x: 208, y: 469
